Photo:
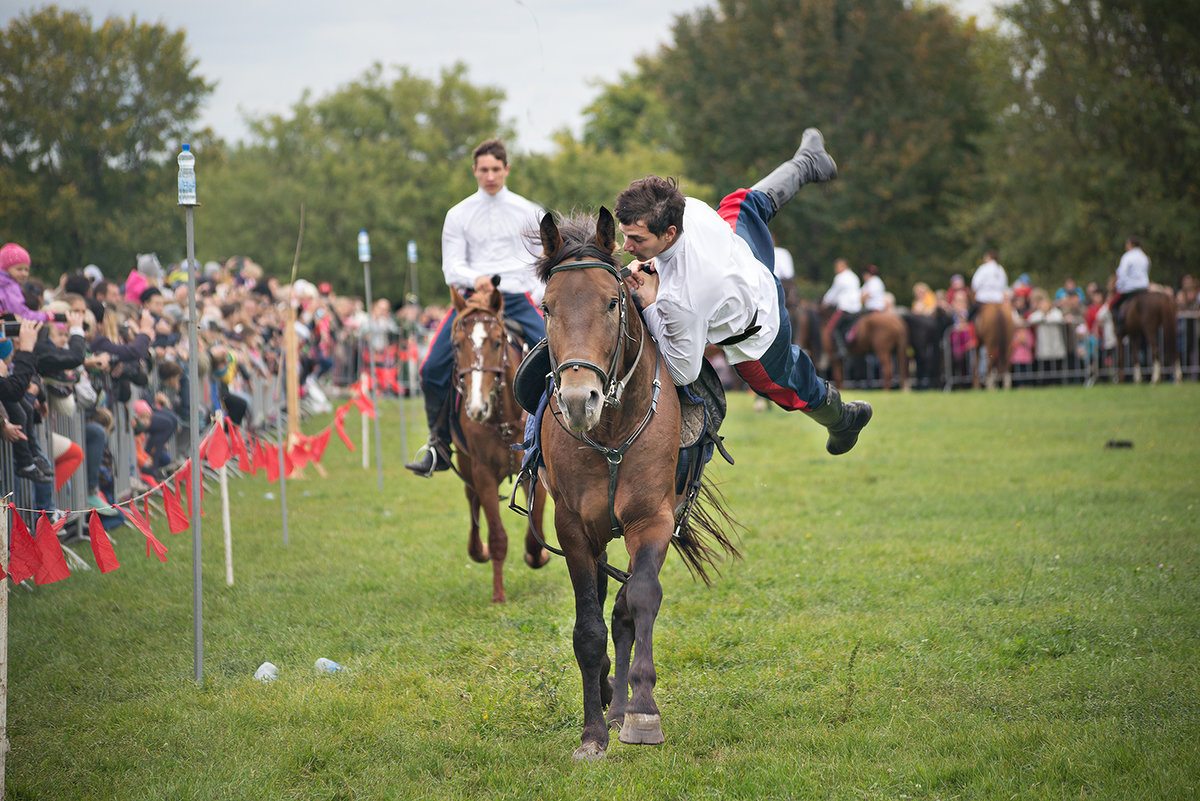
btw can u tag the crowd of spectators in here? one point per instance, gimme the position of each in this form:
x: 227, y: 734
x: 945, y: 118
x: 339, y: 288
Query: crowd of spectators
x: 114, y: 347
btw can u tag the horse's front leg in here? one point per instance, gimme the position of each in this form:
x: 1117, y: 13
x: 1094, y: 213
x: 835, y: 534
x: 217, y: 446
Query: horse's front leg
x: 475, y: 547
x: 590, y: 637
x: 643, y: 594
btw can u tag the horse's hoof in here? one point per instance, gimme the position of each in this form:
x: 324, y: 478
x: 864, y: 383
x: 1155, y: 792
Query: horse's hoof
x: 642, y: 729
x: 588, y: 752
x: 616, y: 722
x: 540, y: 561
x: 480, y: 556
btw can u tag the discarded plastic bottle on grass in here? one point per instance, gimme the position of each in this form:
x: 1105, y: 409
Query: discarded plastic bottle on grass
x: 266, y: 672
x: 327, y: 665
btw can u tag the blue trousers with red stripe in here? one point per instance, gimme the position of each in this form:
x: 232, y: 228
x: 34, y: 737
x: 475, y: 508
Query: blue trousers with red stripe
x: 437, y: 370
x: 784, y: 374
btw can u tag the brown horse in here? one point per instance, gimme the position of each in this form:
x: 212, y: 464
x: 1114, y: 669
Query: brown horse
x: 882, y: 333
x: 994, y: 328
x: 610, y: 440
x: 1147, y: 318
x: 489, y: 423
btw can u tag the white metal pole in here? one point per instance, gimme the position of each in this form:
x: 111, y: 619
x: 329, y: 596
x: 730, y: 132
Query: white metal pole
x: 4, y: 642
x: 364, y: 255
x: 197, y: 473
x: 223, y: 475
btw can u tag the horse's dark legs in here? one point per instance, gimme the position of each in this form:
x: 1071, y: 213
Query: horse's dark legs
x: 475, y: 547
x: 590, y: 637
x: 497, y: 542
x: 622, y: 637
x: 643, y: 595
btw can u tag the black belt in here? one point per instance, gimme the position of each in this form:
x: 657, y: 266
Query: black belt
x: 750, y: 331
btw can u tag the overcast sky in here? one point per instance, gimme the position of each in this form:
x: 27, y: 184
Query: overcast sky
x: 544, y: 54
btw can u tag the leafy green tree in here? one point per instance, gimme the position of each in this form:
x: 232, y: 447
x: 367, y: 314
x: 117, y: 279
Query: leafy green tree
x: 893, y: 86
x: 1098, y: 140
x: 390, y: 156
x: 89, y: 120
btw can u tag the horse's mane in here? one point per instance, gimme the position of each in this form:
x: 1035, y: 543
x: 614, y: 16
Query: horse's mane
x: 578, y: 234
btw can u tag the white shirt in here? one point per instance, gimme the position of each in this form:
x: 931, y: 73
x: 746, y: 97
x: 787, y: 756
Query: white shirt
x: 874, y: 296
x: 710, y: 288
x: 785, y: 268
x: 1133, y: 272
x: 989, y: 283
x: 845, y: 292
x: 485, y: 235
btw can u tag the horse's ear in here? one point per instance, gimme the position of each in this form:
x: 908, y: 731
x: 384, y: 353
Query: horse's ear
x: 457, y: 300
x: 496, y: 298
x: 606, y: 231
x: 551, y: 239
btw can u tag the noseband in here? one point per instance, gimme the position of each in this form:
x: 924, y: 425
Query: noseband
x: 613, y: 388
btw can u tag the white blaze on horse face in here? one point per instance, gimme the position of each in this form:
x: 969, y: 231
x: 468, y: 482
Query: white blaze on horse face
x: 476, y: 403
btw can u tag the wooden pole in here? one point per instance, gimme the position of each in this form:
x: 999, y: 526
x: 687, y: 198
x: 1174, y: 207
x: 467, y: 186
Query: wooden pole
x: 3, y: 644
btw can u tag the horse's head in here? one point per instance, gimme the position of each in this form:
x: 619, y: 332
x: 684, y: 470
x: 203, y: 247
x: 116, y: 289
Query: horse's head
x: 587, y: 315
x: 480, y: 351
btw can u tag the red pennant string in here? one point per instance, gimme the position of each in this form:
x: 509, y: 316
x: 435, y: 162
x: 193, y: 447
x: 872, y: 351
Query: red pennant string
x: 54, y: 564
x: 260, y: 457
x: 203, y: 450
x: 238, y: 446
x: 218, y: 448
x: 177, y: 521
x: 102, y: 548
x: 289, y: 466
x: 298, y: 453
x: 24, y: 558
x: 317, y: 445
x: 151, y: 541
x: 272, y: 463
x: 364, y: 405
x: 339, y: 424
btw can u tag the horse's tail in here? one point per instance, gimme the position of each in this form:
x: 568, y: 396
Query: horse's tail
x: 707, y: 519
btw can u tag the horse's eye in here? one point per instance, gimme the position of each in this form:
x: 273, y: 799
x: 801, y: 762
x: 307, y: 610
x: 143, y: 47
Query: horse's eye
x: 545, y: 310
x: 612, y: 304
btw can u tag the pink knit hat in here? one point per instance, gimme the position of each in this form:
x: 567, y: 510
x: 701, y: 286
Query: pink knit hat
x: 140, y: 406
x: 13, y: 254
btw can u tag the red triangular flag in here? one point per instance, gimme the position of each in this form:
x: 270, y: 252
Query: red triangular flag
x: 289, y: 466
x: 316, y: 447
x: 272, y: 463
x: 218, y: 447
x: 339, y: 424
x: 144, y: 526
x: 24, y: 559
x: 54, y: 564
x: 238, y: 446
x: 102, y: 548
x: 298, y: 453
x: 260, y: 457
x: 364, y: 405
x: 177, y: 521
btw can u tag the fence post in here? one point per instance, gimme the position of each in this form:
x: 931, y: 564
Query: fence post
x: 4, y: 643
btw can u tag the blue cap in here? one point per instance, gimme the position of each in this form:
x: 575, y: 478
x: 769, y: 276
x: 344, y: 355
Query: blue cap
x: 6, y: 348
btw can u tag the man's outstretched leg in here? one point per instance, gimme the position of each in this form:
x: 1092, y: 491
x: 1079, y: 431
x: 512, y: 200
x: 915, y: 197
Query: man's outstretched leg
x: 810, y: 164
x: 843, y: 419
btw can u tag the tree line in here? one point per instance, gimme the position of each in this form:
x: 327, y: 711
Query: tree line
x: 1050, y: 136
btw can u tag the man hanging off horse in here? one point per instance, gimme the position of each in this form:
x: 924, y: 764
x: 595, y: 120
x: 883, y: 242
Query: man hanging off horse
x: 483, y: 236
x: 1133, y: 278
x: 846, y: 297
x: 705, y: 276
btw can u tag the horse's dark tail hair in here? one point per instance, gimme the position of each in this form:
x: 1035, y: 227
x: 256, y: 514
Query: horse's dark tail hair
x: 708, y: 519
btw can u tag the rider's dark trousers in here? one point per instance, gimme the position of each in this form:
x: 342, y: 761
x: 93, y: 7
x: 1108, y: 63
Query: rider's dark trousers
x: 784, y: 374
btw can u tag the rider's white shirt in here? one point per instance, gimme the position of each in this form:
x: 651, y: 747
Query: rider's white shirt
x: 989, y: 283
x: 874, y: 296
x: 485, y: 235
x: 1133, y: 272
x: 710, y: 286
x: 845, y: 293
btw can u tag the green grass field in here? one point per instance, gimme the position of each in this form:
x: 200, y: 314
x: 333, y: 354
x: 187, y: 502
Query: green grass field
x: 981, y: 601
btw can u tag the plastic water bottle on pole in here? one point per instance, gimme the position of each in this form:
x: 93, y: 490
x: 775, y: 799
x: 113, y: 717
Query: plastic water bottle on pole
x: 187, y: 199
x: 364, y: 255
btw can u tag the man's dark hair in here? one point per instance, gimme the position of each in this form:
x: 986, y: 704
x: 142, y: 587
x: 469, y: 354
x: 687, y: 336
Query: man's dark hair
x: 148, y: 293
x: 77, y: 283
x: 100, y: 288
x: 492, y: 147
x: 655, y: 201
x: 1136, y: 241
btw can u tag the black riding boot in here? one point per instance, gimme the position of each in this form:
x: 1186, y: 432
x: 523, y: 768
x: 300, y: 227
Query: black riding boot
x: 844, y: 420
x: 810, y: 164
x: 434, y: 455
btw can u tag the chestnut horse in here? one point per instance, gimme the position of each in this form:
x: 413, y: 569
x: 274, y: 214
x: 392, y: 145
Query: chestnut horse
x: 489, y: 423
x: 882, y: 333
x: 1147, y: 317
x: 994, y: 327
x: 610, y: 439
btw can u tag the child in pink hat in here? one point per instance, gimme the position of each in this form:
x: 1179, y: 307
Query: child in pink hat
x: 14, y: 271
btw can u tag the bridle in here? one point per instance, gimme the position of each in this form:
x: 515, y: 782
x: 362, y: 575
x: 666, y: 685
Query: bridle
x: 501, y: 370
x: 614, y: 388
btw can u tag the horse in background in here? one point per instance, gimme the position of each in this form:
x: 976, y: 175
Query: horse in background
x: 489, y: 423
x: 1149, y: 319
x: 880, y: 333
x: 610, y: 439
x: 994, y: 328
x: 925, y: 335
